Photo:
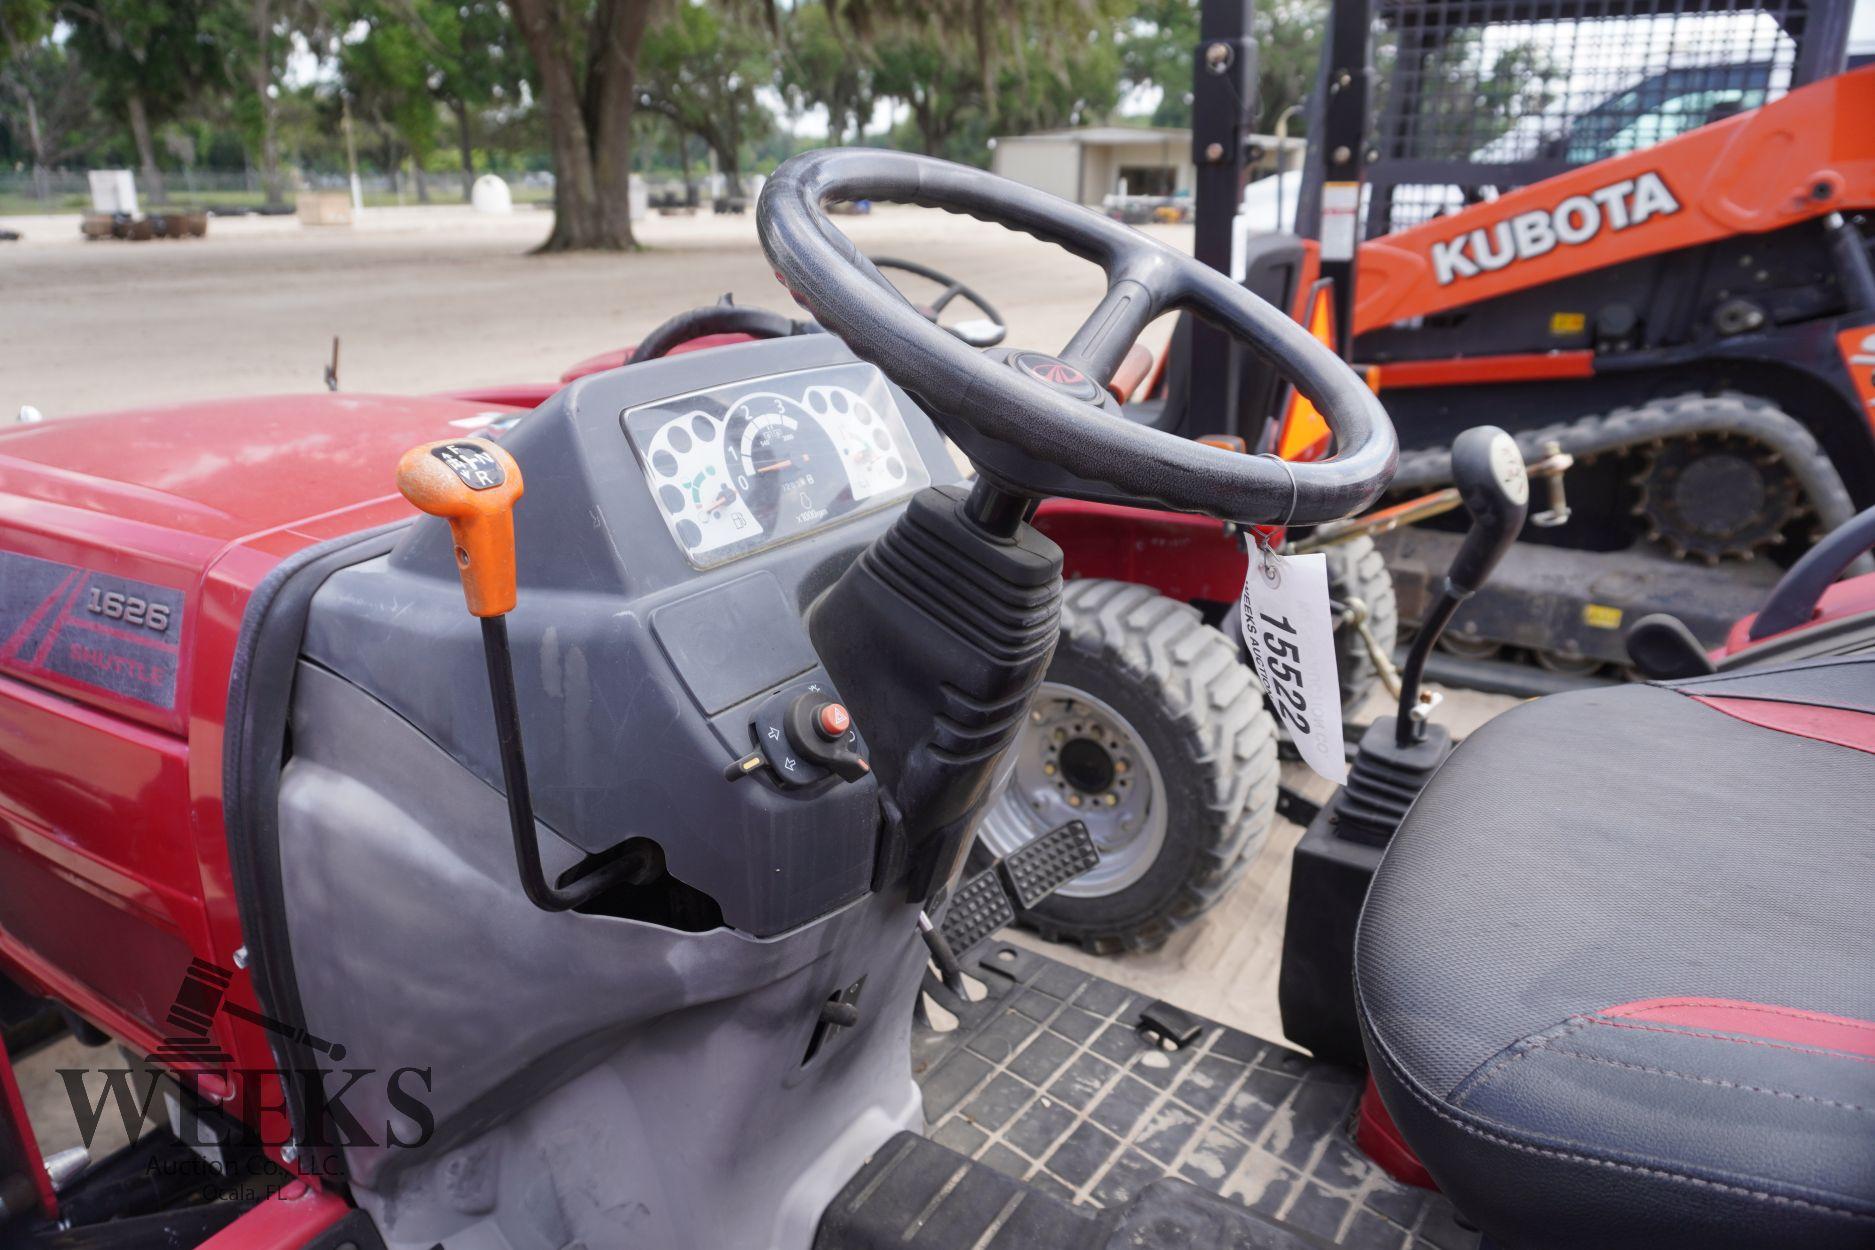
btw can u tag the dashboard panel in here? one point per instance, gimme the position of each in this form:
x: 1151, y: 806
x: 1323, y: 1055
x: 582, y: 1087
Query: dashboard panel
x: 740, y: 468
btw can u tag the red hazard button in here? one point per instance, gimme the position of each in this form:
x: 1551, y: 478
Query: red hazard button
x: 833, y: 720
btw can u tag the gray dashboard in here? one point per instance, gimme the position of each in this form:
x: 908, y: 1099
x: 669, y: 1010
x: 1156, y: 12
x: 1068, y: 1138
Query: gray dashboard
x: 649, y: 655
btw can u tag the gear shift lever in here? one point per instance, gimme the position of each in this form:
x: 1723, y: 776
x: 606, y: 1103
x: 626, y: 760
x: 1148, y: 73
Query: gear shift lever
x: 1489, y: 473
x: 474, y: 485
x: 1396, y: 760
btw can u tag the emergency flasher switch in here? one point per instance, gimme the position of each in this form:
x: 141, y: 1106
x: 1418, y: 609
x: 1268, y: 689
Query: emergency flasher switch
x: 822, y: 732
x: 833, y: 721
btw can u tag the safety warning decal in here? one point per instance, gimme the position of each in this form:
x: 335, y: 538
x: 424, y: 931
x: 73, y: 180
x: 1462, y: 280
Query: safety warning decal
x: 109, y: 633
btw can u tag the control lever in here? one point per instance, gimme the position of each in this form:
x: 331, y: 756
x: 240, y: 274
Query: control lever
x: 474, y: 485
x: 1492, y: 483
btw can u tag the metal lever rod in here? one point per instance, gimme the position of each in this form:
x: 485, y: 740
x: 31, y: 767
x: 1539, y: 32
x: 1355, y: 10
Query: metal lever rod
x: 473, y: 484
x: 1488, y: 473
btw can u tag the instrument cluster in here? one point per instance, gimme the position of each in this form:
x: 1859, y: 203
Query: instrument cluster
x: 737, y: 469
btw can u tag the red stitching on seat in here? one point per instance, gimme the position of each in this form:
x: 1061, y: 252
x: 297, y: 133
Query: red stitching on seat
x: 1813, y: 1028
x: 1727, y: 1037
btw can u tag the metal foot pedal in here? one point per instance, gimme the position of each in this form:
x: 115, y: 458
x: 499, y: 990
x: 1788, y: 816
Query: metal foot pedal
x: 977, y: 909
x: 1049, y: 862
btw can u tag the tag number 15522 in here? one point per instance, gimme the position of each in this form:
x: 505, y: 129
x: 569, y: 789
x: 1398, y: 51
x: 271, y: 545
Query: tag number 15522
x: 1284, y: 661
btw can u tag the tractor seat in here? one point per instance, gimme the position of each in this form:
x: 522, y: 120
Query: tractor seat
x: 1616, y: 973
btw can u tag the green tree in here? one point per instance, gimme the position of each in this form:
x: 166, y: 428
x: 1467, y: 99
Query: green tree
x: 1024, y: 64
x: 469, y: 65
x: 585, y: 55
x: 700, y: 69
x: 151, y: 59
x: 823, y: 67
x: 23, y: 23
x: 475, y: 67
x: 936, y: 80
x: 47, y: 108
x: 386, y: 73
x: 1157, y: 45
x: 255, y: 36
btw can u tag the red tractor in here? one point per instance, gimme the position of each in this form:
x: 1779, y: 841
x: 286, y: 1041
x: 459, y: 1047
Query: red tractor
x: 628, y: 907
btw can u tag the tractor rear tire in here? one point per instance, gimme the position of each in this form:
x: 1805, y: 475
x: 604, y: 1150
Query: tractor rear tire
x: 1357, y: 571
x: 1143, y: 700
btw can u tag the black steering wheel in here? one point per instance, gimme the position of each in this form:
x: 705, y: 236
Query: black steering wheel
x: 1045, y: 425
x: 984, y: 331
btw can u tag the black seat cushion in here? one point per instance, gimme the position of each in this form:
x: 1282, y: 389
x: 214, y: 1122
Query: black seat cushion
x: 1617, y: 970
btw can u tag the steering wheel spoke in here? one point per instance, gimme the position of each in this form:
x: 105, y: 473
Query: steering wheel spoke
x: 1110, y: 331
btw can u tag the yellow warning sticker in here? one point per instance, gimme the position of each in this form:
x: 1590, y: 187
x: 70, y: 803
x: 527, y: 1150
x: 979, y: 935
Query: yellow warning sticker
x: 1601, y: 616
x: 1568, y: 323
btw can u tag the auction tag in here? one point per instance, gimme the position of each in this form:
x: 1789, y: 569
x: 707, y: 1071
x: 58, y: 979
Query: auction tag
x: 1284, y: 615
x: 1341, y: 219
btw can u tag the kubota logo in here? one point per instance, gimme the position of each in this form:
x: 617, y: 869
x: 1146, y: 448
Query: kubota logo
x: 1575, y: 221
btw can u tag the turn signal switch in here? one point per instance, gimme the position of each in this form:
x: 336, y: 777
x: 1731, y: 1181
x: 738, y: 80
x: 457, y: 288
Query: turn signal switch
x: 822, y: 732
x: 474, y: 484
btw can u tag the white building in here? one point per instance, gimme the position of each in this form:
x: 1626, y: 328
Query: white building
x: 1090, y: 163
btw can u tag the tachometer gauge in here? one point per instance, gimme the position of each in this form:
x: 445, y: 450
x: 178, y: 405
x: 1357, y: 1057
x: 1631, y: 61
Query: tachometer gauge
x: 786, y: 467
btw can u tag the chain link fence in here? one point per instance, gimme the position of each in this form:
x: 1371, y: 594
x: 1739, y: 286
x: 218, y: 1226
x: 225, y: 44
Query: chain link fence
x: 25, y: 191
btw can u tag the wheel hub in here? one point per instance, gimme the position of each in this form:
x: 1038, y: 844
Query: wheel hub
x: 1087, y: 767
x: 1080, y: 759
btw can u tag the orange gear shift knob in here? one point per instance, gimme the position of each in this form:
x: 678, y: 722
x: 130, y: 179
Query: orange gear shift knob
x: 472, y: 484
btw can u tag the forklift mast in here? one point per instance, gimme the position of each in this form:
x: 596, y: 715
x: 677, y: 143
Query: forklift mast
x: 1224, y: 85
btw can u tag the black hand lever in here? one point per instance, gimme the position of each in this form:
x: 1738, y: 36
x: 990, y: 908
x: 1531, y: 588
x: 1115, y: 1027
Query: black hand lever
x: 1488, y: 470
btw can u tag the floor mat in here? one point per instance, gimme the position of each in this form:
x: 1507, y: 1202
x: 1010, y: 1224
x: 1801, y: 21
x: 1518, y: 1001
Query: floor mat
x: 1048, y: 1080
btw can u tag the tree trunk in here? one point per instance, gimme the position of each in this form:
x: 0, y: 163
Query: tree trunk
x: 589, y: 124
x: 465, y: 143
x: 929, y: 128
x: 262, y: 69
x: 146, y: 149
x: 35, y: 142
x: 729, y: 163
x: 423, y: 182
x: 683, y: 160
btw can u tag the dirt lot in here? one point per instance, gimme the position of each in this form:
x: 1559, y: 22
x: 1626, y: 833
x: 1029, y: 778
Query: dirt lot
x: 427, y: 299
x: 439, y: 299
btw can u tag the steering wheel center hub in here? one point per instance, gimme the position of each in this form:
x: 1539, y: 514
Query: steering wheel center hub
x: 1057, y: 374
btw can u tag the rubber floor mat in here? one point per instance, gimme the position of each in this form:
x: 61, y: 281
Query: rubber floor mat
x: 1048, y: 1080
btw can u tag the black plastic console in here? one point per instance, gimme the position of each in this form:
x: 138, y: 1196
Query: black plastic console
x: 937, y: 635
x: 1328, y: 879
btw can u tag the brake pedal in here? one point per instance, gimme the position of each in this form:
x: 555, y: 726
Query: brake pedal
x: 1049, y: 862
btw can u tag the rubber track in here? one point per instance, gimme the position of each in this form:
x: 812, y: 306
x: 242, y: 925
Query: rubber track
x: 1678, y: 416
x: 1215, y: 702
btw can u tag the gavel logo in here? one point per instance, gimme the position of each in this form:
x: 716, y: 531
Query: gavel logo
x: 203, y: 992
